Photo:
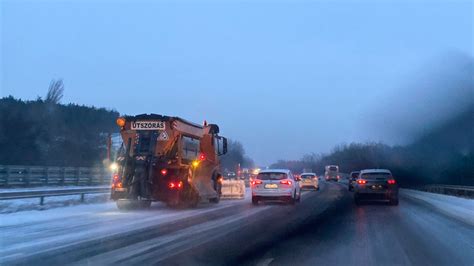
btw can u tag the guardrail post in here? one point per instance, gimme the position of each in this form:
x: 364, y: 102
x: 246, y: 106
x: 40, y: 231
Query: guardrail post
x: 77, y: 173
x: 82, y: 197
x: 102, y: 175
x: 90, y: 176
x: 62, y: 175
x: 27, y: 176
x: 46, y: 175
x: 41, y: 200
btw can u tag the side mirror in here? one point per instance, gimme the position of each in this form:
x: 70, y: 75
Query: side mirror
x: 224, y: 145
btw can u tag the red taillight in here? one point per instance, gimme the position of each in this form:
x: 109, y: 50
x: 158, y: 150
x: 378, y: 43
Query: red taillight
x: 175, y: 185
x: 361, y: 181
x: 164, y: 171
x: 116, y: 177
x: 391, y: 181
x: 119, y: 185
x: 202, y: 157
x: 286, y: 182
x: 256, y: 182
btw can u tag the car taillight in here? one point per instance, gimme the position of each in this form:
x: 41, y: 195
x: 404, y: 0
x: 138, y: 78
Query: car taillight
x: 286, y: 182
x: 391, y: 181
x: 256, y: 182
x: 175, y: 185
x: 164, y: 171
x: 361, y: 181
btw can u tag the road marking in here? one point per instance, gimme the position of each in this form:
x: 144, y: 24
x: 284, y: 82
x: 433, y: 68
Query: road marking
x: 265, y: 262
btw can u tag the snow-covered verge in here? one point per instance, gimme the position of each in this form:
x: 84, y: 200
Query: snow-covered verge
x: 11, y: 206
x: 460, y: 208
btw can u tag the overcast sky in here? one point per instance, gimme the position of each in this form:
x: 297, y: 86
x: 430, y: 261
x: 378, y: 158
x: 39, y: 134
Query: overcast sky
x: 285, y: 78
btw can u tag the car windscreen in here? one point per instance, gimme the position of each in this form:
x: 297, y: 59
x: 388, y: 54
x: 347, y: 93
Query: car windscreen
x: 376, y: 176
x: 271, y: 176
x: 307, y: 176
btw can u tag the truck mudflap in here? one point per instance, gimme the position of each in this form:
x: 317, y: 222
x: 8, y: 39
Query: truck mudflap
x: 233, y: 189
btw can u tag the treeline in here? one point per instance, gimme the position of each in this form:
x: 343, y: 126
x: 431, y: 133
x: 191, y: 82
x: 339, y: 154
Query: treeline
x: 45, y: 132
x: 235, y: 156
x: 443, y: 155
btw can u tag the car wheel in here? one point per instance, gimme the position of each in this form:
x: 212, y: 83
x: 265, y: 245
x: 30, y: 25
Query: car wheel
x: 356, y: 199
x: 254, y: 200
x: 299, y: 197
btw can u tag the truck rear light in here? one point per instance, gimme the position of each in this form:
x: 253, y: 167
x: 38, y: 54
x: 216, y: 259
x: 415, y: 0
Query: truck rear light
x: 164, y: 171
x: 391, y: 181
x: 361, y: 181
x: 202, y: 157
x: 175, y: 185
x: 286, y: 182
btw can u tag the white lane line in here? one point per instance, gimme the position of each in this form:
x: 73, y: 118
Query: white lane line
x: 265, y: 262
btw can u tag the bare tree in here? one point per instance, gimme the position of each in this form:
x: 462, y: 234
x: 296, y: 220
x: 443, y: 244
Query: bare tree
x: 55, y: 91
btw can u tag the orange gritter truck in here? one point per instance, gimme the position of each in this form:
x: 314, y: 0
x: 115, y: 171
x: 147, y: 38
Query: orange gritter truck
x: 167, y: 159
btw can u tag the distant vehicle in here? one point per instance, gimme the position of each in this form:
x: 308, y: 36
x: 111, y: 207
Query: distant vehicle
x: 275, y: 185
x: 332, y: 173
x: 231, y: 175
x: 376, y: 184
x: 353, y: 179
x: 167, y: 159
x: 309, y: 180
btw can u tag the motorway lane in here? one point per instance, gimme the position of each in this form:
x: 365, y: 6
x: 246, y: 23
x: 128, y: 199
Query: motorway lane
x: 413, y: 233
x: 106, y: 235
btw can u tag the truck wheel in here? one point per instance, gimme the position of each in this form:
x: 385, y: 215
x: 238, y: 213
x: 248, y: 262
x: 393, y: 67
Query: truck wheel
x: 254, y: 200
x: 215, y: 200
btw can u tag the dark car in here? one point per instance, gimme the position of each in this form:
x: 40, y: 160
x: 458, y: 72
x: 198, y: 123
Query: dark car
x: 353, y: 179
x: 376, y: 184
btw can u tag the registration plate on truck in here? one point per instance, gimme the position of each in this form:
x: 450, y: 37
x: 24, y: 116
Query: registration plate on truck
x: 148, y: 125
x: 271, y: 186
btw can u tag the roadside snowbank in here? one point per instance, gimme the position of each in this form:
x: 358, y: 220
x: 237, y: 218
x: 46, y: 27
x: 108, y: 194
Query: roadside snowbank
x: 460, y: 208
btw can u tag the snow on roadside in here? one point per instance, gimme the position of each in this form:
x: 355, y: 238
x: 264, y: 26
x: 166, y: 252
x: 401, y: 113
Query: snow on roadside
x: 20, y: 189
x: 461, y: 208
x: 11, y: 206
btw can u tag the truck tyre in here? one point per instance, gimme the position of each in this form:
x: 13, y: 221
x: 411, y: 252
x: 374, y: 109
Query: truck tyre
x: 215, y: 200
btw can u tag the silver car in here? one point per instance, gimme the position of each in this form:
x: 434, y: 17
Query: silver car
x: 275, y: 185
x: 376, y: 184
x: 309, y: 180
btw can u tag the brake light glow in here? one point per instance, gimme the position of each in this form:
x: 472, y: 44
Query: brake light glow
x: 164, y: 171
x: 116, y: 177
x: 256, y: 182
x: 391, y: 181
x: 175, y: 185
x: 286, y: 182
x: 361, y: 181
x: 202, y: 157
